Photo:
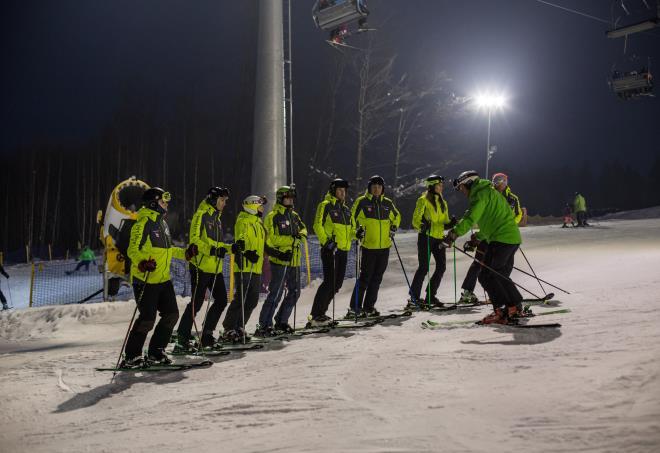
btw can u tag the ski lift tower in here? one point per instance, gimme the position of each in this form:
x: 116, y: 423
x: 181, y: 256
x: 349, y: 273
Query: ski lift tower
x: 269, y: 149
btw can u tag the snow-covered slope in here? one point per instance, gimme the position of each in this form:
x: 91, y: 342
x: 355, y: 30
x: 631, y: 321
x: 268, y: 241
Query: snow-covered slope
x: 593, y: 385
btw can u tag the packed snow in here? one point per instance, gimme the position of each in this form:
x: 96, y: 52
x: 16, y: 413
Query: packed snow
x: 591, y: 386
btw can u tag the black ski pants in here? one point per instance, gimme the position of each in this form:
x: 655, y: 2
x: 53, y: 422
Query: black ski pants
x: 474, y: 272
x: 372, y: 267
x: 239, y: 312
x: 152, y: 298
x: 3, y: 299
x: 200, y: 282
x: 427, y: 247
x: 334, y: 269
x: 501, y: 291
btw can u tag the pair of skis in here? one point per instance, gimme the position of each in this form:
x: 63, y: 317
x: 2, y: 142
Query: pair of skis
x: 162, y: 367
x: 434, y: 325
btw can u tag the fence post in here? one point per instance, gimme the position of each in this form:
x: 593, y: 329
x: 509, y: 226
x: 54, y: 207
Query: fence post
x: 50, y: 252
x: 27, y: 253
x: 2, y: 259
x: 66, y: 257
x: 31, y: 284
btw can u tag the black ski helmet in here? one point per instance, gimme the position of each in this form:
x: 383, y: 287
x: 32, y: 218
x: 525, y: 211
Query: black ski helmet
x: 336, y: 184
x: 433, y: 180
x: 375, y: 179
x: 466, y: 178
x: 151, y: 196
x: 285, y: 191
x: 215, y: 193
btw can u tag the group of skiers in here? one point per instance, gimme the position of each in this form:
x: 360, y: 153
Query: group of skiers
x: 372, y: 221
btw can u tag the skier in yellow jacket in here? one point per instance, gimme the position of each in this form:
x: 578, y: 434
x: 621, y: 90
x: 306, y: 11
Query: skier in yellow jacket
x: 151, y: 251
x: 377, y: 219
x: 430, y: 219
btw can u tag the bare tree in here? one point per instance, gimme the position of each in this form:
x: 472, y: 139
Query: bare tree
x: 374, y: 96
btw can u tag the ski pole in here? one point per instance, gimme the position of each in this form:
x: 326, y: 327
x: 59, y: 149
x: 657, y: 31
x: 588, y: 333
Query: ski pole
x: 357, y: 278
x: 495, y: 272
x: 428, y: 270
x: 215, y: 277
x: 11, y: 301
x: 333, y: 286
x: 192, y: 302
x: 455, y: 294
x: 540, y: 280
x: 530, y: 266
x: 405, y: 274
x: 130, y: 324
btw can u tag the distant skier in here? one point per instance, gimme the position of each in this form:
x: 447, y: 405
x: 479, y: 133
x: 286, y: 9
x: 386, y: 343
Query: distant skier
x: 151, y: 252
x: 206, y: 269
x: 85, y: 259
x: 377, y: 219
x: 580, y: 210
x: 476, y: 243
x: 250, y: 237
x: 285, y: 232
x: 430, y: 219
x: 497, y: 226
x: 568, y: 216
x: 335, y: 227
x: 2, y: 296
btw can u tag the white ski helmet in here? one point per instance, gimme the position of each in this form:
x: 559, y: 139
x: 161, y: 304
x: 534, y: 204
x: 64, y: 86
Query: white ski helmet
x: 466, y: 178
x: 251, y: 203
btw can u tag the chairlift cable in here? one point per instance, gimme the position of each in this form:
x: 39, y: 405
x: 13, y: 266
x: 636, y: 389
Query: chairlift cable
x: 589, y: 16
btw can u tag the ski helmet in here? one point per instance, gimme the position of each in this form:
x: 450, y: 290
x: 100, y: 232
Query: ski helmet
x: 466, y: 178
x: 336, y: 184
x: 151, y: 196
x: 433, y: 180
x: 375, y: 179
x: 499, y: 178
x: 284, y: 192
x: 252, y: 202
x: 215, y: 193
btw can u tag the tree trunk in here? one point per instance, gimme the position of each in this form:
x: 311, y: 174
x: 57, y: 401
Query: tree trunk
x: 56, y: 210
x: 44, y: 204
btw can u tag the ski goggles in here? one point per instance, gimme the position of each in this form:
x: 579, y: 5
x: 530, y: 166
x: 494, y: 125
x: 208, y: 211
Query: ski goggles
x: 166, y: 197
x: 433, y: 182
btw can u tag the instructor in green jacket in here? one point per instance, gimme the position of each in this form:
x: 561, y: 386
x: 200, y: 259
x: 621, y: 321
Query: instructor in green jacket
x: 498, y: 227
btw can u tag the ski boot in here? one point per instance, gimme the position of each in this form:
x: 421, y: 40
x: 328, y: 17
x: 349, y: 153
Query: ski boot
x: 373, y: 313
x: 283, y: 328
x: 412, y: 305
x: 231, y: 336
x: 468, y: 297
x: 264, y: 332
x: 133, y: 363
x: 435, y: 303
x: 5, y: 306
x: 184, y: 346
x: 496, y: 317
x: 158, y: 357
x: 318, y: 321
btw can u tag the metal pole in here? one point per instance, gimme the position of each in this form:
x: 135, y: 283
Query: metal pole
x: 269, y: 151
x: 290, y: 63
x: 488, y: 144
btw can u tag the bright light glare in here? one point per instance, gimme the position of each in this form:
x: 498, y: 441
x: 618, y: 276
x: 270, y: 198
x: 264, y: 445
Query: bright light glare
x: 490, y: 101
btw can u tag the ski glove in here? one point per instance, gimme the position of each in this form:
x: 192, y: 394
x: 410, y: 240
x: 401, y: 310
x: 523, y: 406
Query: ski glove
x: 330, y: 246
x: 286, y: 256
x: 424, y: 227
x: 359, y: 233
x: 147, y: 265
x: 452, y: 223
x: 238, y: 246
x: 191, y: 252
x: 218, y: 251
x: 251, y: 255
x: 450, y: 238
x: 392, y: 231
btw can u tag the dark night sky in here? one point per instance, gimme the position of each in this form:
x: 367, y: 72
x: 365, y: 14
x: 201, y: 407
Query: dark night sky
x: 64, y: 63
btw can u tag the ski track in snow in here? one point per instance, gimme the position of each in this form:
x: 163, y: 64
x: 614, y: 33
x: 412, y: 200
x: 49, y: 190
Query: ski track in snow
x: 591, y: 386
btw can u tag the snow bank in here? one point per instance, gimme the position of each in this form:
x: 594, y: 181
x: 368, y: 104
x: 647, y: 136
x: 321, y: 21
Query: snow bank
x: 648, y: 213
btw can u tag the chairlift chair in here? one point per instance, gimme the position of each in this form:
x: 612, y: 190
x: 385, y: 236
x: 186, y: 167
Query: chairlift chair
x: 632, y: 84
x: 330, y: 14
